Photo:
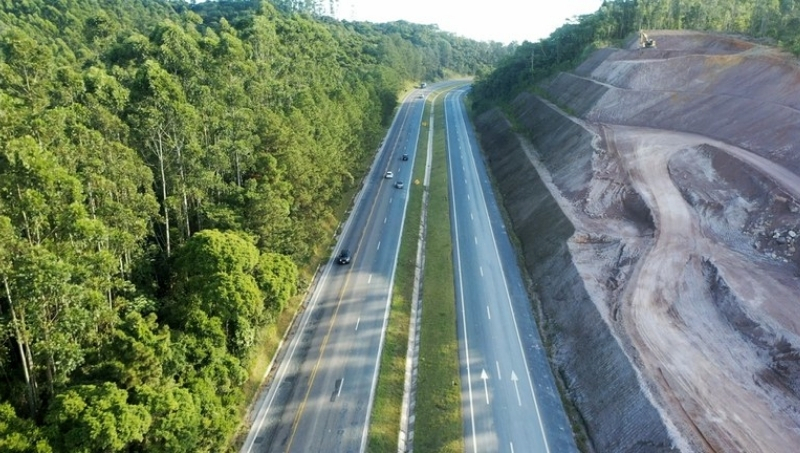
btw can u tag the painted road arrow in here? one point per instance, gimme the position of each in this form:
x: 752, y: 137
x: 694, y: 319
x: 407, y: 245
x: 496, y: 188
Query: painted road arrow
x: 514, y: 379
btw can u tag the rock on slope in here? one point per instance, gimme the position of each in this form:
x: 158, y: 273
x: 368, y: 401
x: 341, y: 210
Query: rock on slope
x: 659, y: 221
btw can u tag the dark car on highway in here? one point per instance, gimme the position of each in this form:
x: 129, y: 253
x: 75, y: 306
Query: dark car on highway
x: 344, y: 257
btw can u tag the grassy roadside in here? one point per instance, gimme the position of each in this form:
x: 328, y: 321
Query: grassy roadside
x: 438, y: 409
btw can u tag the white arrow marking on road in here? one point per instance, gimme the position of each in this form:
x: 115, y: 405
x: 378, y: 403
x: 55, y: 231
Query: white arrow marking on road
x: 514, y: 379
x: 485, y: 377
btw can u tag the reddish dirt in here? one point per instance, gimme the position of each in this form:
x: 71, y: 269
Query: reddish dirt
x: 705, y: 129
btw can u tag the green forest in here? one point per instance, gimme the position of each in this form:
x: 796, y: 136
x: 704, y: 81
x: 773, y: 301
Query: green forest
x: 774, y: 22
x: 170, y: 175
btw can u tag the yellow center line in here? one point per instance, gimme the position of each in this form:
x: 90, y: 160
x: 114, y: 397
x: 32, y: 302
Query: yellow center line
x: 316, y: 365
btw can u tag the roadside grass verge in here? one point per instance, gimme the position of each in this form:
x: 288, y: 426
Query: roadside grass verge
x: 438, y: 425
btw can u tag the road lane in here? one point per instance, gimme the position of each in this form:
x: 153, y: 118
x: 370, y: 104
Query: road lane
x: 321, y: 394
x: 504, y: 373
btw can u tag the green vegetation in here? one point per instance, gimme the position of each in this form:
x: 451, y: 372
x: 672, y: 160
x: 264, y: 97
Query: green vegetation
x: 616, y: 20
x: 170, y: 177
x: 438, y: 397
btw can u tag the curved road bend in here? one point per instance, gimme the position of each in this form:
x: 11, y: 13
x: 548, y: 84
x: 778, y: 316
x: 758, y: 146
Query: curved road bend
x: 511, y: 402
x: 320, y: 397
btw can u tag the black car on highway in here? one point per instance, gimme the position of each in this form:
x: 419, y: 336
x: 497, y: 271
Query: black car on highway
x: 344, y: 257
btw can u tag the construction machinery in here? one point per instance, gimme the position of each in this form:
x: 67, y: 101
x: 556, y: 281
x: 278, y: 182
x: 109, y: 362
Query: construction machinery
x: 644, y: 41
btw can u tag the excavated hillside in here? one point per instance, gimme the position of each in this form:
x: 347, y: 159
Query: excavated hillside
x: 656, y: 195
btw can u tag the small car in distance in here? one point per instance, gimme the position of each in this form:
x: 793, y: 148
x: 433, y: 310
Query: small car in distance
x: 405, y: 157
x: 399, y: 184
x: 388, y: 175
x: 344, y: 257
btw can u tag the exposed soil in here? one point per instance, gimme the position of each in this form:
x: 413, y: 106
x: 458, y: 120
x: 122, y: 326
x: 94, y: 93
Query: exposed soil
x: 678, y: 169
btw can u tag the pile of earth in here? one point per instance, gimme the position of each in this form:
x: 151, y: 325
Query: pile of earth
x: 655, y: 192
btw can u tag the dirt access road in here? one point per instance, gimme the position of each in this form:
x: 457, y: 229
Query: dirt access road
x: 704, y: 295
x: 701, y: 368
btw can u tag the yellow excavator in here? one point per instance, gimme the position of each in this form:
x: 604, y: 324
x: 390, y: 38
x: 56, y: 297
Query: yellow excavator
x: 644, y: 41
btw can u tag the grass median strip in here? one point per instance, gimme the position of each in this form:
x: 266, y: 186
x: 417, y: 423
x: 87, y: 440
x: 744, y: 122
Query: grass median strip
x: 438, y: 425
x: 438, y: 410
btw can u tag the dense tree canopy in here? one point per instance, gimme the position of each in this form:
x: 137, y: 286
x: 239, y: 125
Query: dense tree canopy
x: 166, y: 171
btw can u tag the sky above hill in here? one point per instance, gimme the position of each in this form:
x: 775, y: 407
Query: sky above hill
x: 502, y: 21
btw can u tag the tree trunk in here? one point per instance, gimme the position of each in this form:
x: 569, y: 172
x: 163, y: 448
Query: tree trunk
x: 26, y: 366
x: 184, y: 196
x: 159, y: 152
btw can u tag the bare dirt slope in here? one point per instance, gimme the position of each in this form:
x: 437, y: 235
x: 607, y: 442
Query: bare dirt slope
x: 686, y: 215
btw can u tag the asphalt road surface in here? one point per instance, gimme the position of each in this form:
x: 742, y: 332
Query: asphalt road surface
x: 320, y: 396
x: 510, y: 400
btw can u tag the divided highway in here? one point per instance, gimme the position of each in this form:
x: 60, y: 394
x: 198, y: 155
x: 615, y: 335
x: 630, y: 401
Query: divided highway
x: 320, y: 398
x: 511, y: 403
x: 321, y: 394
